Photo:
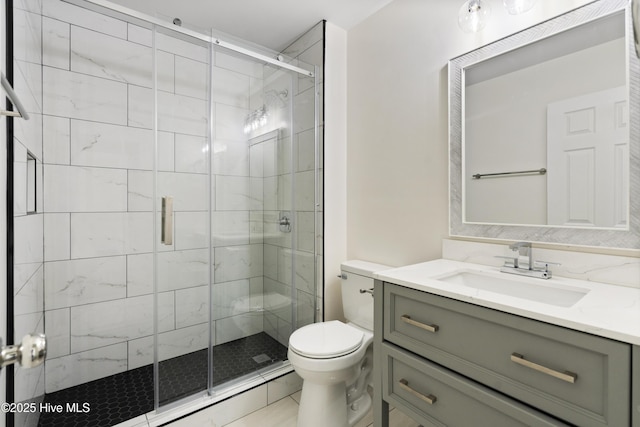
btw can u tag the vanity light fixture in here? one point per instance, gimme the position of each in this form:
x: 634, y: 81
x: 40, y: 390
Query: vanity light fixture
x: 256, y: 119
x: 260, y: 117
x: 473, y: 14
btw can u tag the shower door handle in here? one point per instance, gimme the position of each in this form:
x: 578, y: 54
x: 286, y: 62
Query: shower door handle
x: 166, y: 236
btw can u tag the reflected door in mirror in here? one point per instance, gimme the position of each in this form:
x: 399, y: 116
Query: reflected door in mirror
x: 587, y: 158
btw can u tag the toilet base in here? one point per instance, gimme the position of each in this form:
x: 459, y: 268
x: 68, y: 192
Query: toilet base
x: 358, y: 409
x: 323, y: 405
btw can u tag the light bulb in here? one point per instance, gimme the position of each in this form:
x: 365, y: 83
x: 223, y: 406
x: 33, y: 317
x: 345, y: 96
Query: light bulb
x: 473, y: 15
x: 516, y: 7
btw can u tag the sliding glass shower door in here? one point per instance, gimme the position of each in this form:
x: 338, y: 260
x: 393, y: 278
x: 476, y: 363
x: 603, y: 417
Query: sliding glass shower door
x: 165, y: 211
x: 233, y: 140
x: 182, y: 192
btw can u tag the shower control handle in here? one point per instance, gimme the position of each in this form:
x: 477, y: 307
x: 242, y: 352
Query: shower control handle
x: 284, y: 221
x: 30, y: 353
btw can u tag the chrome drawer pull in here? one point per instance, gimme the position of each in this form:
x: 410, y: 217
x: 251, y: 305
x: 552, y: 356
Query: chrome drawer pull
x: 430, y: 328
x: 567, y: 376
x: 430, y: 399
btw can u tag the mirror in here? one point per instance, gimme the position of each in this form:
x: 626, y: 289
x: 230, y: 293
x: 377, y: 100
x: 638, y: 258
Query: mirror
x: 539, y: 121
x: 544, y: 139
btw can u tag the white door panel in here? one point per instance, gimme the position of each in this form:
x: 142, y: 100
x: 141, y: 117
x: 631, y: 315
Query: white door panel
x: 587, y: 160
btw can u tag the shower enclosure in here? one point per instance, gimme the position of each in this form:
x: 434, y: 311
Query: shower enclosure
x: 165, y: 214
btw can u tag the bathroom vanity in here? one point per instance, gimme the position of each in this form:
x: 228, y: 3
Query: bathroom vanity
x: 452, y: 354
x: 457, y: 342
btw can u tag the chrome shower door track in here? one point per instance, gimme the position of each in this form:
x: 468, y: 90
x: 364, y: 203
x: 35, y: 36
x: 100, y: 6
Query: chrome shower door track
x: 139, y: 16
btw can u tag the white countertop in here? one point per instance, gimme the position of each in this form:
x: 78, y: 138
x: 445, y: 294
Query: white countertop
x: 608, y: 311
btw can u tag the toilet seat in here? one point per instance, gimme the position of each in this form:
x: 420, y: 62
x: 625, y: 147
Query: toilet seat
x: 326, y: 340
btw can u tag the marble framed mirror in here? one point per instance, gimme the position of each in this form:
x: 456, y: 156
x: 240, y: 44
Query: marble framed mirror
x: 544, y: 133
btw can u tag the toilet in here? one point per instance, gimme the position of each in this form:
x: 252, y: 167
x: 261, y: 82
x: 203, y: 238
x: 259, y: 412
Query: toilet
x: 335, y: 359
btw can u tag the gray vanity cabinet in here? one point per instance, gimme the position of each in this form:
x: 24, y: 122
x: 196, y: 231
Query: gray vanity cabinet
x: 438, y: 356
x: 438, y: 396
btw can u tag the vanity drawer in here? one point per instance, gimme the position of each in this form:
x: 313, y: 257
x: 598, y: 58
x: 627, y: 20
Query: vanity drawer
x: 574, y: 376
x: 436, y: 396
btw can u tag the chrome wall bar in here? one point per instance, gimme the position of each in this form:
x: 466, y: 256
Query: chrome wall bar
x: 540, y: 171
x: 22, y: 112
x: 194, y: 34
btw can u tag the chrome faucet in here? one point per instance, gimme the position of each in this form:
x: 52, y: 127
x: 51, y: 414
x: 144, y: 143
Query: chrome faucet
x: 539, y: 269
x: 524, y: 249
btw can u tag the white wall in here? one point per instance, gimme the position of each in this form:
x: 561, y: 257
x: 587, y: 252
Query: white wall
x: 397, y: 174
x: 335, y: 160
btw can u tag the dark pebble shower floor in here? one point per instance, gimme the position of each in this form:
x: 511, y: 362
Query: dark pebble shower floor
x: 115, y: 399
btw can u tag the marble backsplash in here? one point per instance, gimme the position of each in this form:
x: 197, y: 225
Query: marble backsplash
x: 611, y: 269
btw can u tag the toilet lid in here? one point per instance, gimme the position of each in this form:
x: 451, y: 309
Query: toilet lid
x: 326, y: 340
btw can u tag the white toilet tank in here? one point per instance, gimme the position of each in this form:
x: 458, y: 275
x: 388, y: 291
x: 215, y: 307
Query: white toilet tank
x: 357, y: 306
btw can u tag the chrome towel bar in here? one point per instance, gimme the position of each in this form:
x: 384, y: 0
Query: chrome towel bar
x: 540, y: 171
x: 22, y: 112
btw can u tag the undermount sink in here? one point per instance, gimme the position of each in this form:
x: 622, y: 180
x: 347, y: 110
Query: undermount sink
x: 519, y: 287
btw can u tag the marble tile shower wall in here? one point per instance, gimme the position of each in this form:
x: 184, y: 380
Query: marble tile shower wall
x: 288, y: 188
x: 98, y: 158
x: 308, y: 268
x: 310, y: 49
x: 28, y: 217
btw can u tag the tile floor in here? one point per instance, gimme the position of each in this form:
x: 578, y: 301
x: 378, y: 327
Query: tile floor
x: 282, y: 413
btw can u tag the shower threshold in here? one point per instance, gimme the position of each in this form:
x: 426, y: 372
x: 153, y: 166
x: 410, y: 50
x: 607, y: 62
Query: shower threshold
x: 120, y: 397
